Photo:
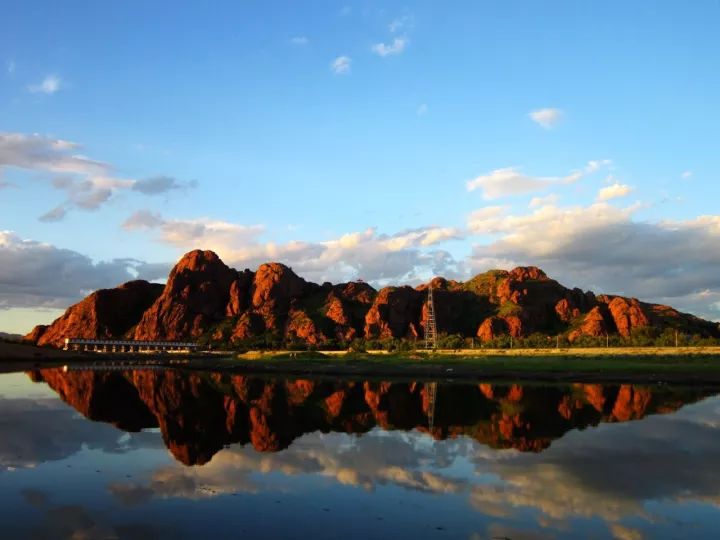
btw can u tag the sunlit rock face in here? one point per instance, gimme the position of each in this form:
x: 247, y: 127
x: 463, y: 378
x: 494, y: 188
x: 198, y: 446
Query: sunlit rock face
x: 199, y: 413
x: 204, y: 297
x: 195, y: 298
x: 105, y: 313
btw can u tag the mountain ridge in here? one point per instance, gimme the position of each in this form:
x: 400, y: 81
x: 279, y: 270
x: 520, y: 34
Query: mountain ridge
x: 205, y: 299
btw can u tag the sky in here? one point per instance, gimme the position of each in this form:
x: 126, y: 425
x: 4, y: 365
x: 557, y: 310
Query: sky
x: 385, y: 141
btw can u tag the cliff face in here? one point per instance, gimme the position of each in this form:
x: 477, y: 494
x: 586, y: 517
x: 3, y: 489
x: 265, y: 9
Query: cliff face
x: 106, y: 313
x: 204, y: 297
x: 195, y: 297
x: 200, y: 413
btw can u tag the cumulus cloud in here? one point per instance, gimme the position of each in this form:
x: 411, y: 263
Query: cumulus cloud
x: 39, y: 275
x: 548, y: 200
x: 613, y: 191
x: 686, y: 175
x: 299, y: 40
x: 86, y: 183
x: 387, y: 49
x: 341, y: 65
x: 510, y: 181
x: 405, y: 256
x: 49, y: 85
x: 602, y: 247
x: 422, y: 109
x: 10, y: 67
x: 546, y: 118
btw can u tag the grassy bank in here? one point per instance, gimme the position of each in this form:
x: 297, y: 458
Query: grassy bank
x: 633, y: 365
x: 696, y: 365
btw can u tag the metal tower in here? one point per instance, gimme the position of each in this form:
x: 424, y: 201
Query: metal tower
x: 431, y: 326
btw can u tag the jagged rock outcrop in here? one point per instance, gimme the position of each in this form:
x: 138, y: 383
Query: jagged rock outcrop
x: 240, y: 293
x: 195, y: 297
x: 273, y: 305
x: 35, y: 334
x: 627, y: 313
x: 107, y: 313
x: 595, y: 324
x: 395, y: 313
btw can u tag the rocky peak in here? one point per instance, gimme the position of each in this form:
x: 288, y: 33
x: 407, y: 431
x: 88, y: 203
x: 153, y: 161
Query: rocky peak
x: 195, y: 297
x: 527, y: 273
x: 277, y: 284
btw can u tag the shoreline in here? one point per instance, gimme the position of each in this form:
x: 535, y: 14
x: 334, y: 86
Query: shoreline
x: 653, y: 365
x: 701, y: 367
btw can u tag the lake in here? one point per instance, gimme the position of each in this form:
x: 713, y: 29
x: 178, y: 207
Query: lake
x: 173, y: 454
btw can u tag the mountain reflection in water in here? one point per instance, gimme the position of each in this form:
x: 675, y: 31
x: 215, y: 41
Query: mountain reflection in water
x: 258, y: 457
x: 199, y: 413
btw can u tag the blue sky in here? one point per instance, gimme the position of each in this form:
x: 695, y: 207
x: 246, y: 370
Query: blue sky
x: 378, y: 140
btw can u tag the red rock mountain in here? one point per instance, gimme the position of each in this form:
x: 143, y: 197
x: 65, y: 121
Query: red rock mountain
x: 205, y: 298
x: 106, y: 313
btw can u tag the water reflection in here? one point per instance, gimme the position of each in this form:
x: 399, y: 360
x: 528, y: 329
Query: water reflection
x: 200, y: 413
x: 274, y: 458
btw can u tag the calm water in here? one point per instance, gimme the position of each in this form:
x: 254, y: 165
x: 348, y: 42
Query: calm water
x: 167, y: 454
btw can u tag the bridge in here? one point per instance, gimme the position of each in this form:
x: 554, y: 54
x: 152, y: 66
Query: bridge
x: 128, y: 346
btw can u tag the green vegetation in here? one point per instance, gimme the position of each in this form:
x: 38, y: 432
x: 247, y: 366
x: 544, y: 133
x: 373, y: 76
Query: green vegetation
x: 509, y: 308
x: 636, y: 365
x: 485, y: 284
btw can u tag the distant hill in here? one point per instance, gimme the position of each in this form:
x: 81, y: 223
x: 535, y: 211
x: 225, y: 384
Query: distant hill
x: 206, y: 300
x: 10, y: 337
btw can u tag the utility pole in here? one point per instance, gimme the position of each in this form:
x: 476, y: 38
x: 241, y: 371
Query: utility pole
x: 607, y: 340
x: 431, y: 325
x: 557, y: 341
x: 676, y: 338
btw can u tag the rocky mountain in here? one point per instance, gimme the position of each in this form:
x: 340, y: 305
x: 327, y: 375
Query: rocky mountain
x: 107, y: 313
x: 204, y: 298
x: 199, y: 413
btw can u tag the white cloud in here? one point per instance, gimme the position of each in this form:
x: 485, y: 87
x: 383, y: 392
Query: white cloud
x: 381, y: 258
x: 299, y: 40
x: 39, y: 275
x: 422, y: 109
x: 686, y: 175
x: 591, y: 167
x: 396, y: 47
x: 601, y: 247
x: 547, y: 118
x: 10, y: 67
x: 49, y: 85
x: 341, y: 65
x: 510, y: 181
x: 613, y: 191
x: 548, y: 200
x: 86, y: 183
x: 189, y: 234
